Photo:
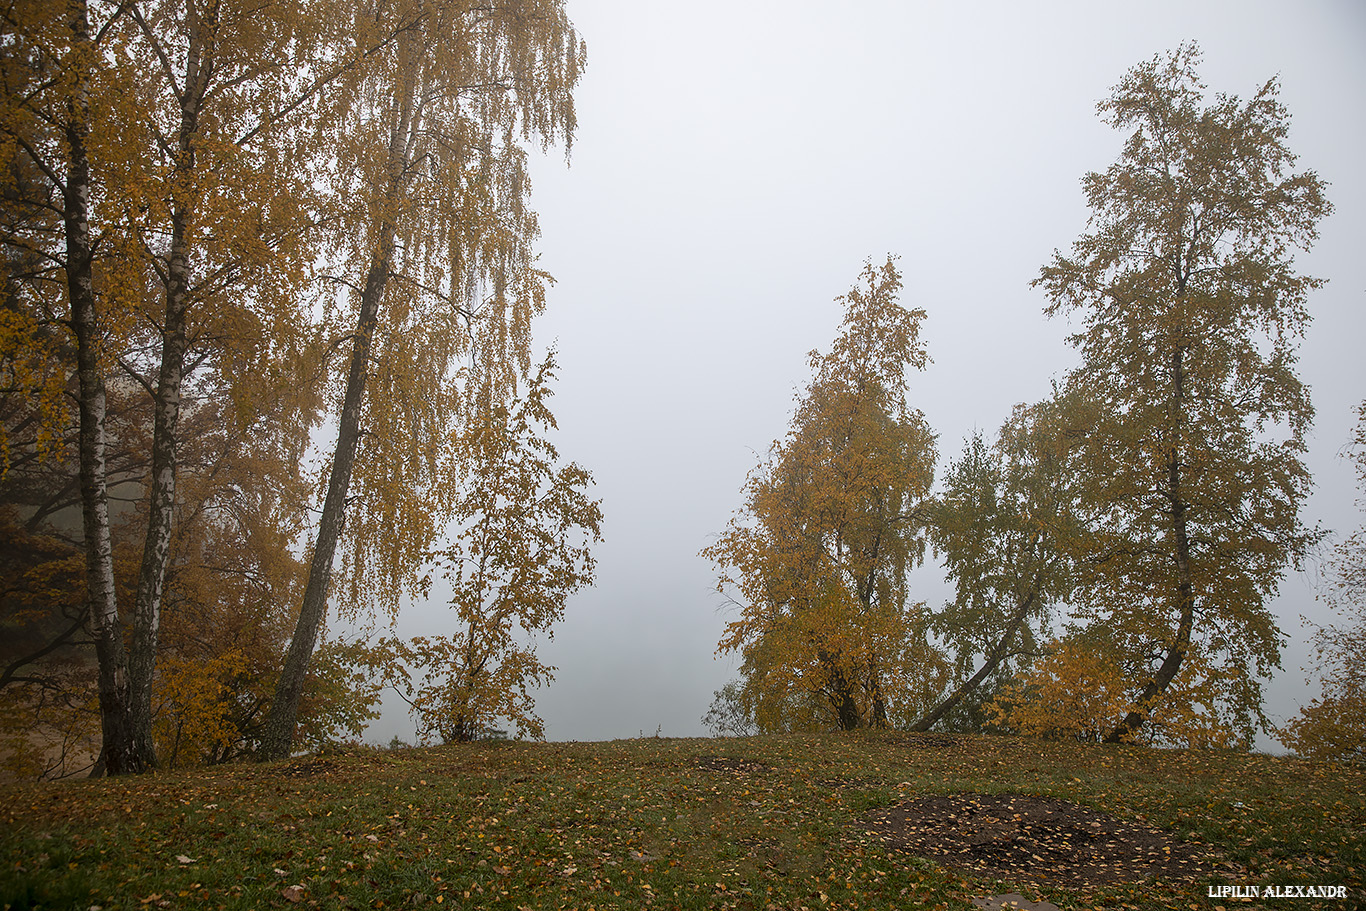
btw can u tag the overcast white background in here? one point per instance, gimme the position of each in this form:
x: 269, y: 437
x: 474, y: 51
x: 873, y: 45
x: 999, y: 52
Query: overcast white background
x: 737, y: 162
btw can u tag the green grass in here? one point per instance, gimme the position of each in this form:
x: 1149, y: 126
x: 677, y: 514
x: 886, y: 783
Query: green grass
x: 758, y: 823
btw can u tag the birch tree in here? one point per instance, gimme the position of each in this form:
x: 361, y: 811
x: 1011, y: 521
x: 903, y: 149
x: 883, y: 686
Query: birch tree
x: 188, y: 130
x: 1007, y: 526
x: 1191, y: 311
x: 220, y: 209
x: 437, y: 256
x: 232, y: 574
x: 521, y: 536
x: 55, y: 77
x: 817, y: 558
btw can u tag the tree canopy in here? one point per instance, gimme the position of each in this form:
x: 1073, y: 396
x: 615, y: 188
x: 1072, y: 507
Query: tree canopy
x: 1006, y: 526
x: 817, y: 558
x: 204, y: 196
x: 269, y: 282
x: 521, y: 536
x: 1333, y: 726
x: 1193, y: 419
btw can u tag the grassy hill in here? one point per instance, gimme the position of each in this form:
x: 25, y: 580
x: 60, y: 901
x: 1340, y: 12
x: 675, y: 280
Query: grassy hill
x: 815, y: 822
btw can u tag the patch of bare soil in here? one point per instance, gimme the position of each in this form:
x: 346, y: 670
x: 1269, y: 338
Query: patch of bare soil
x: 1037, y: 839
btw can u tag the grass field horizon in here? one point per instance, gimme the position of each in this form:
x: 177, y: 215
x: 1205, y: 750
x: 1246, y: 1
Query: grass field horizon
x: 777, y: 822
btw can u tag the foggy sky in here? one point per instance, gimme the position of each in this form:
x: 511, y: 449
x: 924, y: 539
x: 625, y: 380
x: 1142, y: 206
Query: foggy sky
x: 737, y: 162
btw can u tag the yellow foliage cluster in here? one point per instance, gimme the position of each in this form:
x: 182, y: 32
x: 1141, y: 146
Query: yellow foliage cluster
x: 193, y: 712
x: 1330, y: 728
x: 1073, y: 692
x: 817, y: 558
x: 1081, y: 690
x: 522, y: 529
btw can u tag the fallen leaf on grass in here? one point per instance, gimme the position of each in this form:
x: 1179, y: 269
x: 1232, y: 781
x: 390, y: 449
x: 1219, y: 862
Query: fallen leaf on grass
x: 183, y: 859
x: 293, y: 893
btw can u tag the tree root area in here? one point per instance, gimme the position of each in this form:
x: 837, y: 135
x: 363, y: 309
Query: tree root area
x: 1037, y: 840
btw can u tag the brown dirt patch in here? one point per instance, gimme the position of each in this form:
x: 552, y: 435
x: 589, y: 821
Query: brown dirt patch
x: 1037, y: 839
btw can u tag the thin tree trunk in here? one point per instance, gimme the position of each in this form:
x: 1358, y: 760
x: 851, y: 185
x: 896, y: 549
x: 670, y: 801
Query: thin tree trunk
x: 993, y: 660
x: 156, y: 552
x: 161, y: 506
x: 277, y: 738
x: 118, y: 753
x: 1185, y: 588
